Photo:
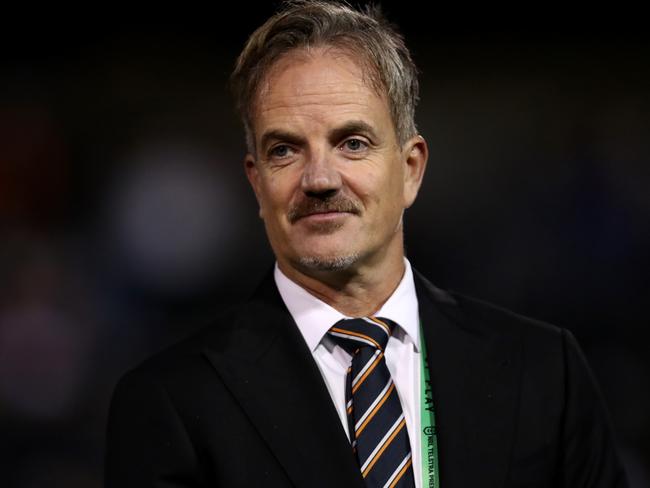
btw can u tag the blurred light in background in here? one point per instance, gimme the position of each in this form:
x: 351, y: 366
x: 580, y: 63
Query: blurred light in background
x: 46, y: 338
x: 173, y: 219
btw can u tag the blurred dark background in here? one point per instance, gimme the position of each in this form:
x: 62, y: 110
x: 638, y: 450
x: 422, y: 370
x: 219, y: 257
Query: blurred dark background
x: 126, y: 220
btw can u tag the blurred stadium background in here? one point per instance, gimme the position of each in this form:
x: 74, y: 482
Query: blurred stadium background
x: 126, y: 220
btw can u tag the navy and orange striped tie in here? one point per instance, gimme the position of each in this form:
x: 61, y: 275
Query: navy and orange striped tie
x: 375, y: 418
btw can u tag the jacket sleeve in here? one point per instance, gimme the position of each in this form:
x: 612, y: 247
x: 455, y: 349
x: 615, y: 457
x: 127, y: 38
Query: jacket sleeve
x: 147, y: 444
x: 589, y: 457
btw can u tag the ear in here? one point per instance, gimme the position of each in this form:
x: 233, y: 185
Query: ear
x: 253, y: 175
x: 415, y: 154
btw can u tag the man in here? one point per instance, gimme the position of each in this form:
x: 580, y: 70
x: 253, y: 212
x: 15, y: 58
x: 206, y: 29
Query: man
x: 424, y: 388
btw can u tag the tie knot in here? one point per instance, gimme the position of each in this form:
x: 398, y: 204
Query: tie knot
x: 352, y: 334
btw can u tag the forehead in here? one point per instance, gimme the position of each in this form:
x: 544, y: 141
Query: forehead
x: 319, y: 83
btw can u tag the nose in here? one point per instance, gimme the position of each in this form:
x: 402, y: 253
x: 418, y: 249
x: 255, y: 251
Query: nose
x: 320, y: 177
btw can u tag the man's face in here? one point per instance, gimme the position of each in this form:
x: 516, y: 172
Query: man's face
x: 329, y: 174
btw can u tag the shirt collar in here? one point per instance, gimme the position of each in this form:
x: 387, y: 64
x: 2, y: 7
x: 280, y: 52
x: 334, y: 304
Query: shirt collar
x: 315, y: 317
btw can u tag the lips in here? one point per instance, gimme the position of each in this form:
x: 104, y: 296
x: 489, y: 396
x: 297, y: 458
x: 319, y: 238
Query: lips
x: 324, y: 215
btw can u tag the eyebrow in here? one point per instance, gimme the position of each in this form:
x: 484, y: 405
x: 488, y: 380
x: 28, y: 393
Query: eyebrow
x: 280, y: 135
x: 353, y: 127
x: 335, y: 135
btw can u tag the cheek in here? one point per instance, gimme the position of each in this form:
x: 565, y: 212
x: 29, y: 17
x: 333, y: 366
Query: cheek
x: 277, y: 191
x: 397, y: 188
x: 386, y: 188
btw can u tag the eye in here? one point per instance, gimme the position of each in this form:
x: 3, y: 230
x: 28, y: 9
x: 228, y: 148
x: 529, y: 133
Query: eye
x: 280, y: 151
x: 354, y: 145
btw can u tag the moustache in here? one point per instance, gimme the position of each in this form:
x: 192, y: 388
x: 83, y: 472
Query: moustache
x: 312, y: 206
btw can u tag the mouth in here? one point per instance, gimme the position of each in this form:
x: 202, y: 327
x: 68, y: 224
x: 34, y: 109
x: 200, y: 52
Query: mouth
x: 324, y: 216
x: 322, y: 222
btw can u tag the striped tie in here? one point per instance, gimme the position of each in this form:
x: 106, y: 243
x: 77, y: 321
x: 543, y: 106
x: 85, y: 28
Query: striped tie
x: 375, y: 419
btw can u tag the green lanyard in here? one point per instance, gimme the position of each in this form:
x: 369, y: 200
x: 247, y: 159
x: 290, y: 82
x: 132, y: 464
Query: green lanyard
x: 429, y: 446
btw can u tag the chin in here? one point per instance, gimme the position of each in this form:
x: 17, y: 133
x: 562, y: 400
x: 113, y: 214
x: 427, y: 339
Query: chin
x: 328, y: 263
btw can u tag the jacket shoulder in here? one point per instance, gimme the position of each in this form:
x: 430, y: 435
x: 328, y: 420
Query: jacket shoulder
x: 481, y: 316
x: 180, y: 358
x: 486, y: 314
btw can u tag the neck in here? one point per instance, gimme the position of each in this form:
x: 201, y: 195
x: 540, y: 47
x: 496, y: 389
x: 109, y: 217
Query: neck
x: 356, y: 292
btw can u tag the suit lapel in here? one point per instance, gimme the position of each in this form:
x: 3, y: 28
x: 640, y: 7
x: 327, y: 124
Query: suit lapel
x: 475, y: 389
x: 269, y: 369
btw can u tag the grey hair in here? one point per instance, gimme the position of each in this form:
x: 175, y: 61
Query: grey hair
x: 303, y: 24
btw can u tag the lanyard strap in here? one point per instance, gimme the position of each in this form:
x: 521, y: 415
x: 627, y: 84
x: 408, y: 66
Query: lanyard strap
x: 429, y: 437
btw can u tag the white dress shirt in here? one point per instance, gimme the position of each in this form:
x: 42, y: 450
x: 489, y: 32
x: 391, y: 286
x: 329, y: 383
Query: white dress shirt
x: 314, y: 318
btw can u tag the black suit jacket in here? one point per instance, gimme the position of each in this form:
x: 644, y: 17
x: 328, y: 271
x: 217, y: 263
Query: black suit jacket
x: 243, y: 404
